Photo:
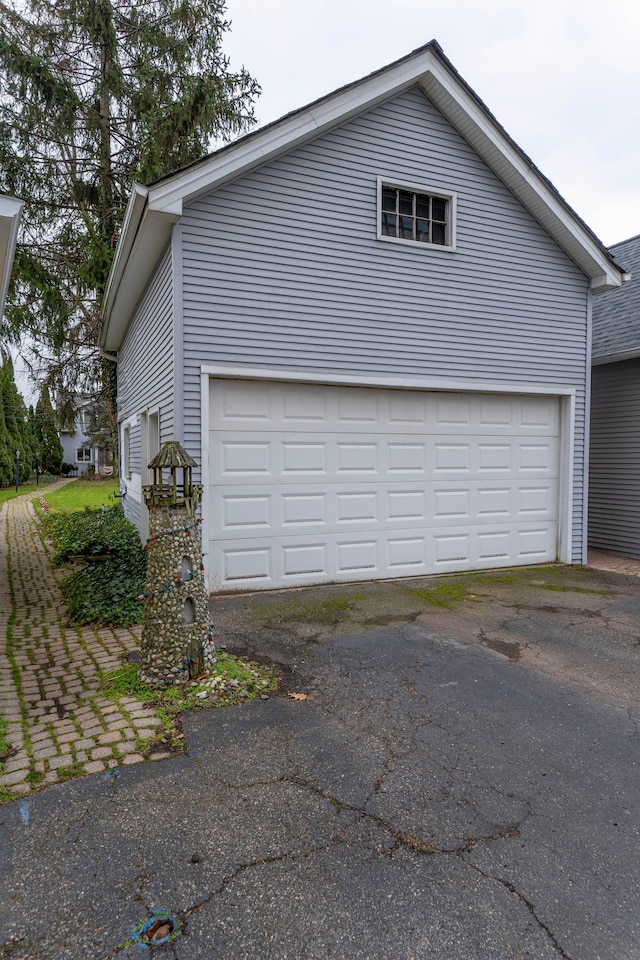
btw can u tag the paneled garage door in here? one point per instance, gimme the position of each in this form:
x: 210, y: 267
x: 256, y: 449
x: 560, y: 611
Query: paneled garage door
x: 314, y: 483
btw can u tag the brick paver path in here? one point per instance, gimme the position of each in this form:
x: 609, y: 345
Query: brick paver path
x: 58, y: 724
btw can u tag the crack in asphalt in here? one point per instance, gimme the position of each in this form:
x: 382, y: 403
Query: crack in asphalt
x: 527, y: 903
x: 401, y: 840
x: 141, y: 880
x: 250, y: 865
x: 405, y: 839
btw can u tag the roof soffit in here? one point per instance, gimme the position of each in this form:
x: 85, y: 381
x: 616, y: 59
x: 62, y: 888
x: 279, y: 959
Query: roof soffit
x: 10, y: 214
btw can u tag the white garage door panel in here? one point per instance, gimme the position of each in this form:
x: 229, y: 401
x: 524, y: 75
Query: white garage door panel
x: 292, y: 458
x: 252, y: 511
x: 254, y: 405
x: 246, y: 562
x: 315, y: 483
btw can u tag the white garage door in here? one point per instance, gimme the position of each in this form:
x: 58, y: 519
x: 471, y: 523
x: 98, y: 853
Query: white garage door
x: 314, y: 483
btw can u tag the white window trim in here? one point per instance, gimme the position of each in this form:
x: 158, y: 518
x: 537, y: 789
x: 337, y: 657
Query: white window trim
x: 145, y: 440
x: 430, y: 191
x: 126, y: 450
x: 146, y: 475
x: 84, y: 446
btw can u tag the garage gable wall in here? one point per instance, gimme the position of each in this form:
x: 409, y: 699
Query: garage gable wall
x: 283, y: 268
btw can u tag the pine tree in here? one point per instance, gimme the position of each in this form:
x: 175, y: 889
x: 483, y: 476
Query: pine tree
x: 50, y: 450
x: 16, y: 434
x: 93, y: 95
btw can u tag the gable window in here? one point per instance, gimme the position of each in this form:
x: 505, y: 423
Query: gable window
x: 414, y: 215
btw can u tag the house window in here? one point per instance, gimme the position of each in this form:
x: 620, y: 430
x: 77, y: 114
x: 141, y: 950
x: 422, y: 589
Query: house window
x: 83, y: 455
x: 417, y: 216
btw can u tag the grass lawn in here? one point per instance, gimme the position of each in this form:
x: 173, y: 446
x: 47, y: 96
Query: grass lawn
x: 83, y: 493
x: 7, y: 493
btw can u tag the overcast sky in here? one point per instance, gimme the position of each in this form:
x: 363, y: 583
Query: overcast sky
x: 562, y: 76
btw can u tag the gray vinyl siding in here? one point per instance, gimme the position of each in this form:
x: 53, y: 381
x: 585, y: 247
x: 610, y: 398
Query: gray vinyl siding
x: 283, y: 268
x: 133, y: 510
x: 614, y: 469
x: 143, y: 385
x: 135, y: 446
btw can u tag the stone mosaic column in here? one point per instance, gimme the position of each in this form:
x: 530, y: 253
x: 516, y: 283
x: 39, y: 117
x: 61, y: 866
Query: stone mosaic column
x: 177, y: 643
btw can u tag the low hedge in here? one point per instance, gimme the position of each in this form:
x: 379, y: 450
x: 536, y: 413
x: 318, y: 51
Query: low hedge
x: 105, y: 589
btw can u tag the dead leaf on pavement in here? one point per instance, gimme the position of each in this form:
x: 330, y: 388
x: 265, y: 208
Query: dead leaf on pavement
x: 298, y: 696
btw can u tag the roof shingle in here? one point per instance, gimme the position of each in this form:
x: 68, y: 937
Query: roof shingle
x: 616, y: 313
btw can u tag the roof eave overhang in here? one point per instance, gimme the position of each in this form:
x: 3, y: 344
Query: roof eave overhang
x: 517, y: 172
x: 153, y: 210
x: 143, y: 239
x: 10, y: 214
x: 616, y: 357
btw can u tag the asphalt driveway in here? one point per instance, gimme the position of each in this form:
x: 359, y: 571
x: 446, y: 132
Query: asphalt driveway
x: 451, y: 771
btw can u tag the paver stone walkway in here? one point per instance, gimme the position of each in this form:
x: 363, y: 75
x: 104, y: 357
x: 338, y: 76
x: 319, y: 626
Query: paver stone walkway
x: 59, y: 726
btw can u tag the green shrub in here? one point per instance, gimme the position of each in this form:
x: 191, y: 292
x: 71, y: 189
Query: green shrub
x: 91, y: 533
x: 106, y: 589
x: 106, y: 592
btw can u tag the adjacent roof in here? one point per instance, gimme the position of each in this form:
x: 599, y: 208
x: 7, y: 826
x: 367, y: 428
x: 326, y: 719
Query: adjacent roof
x: 10, y: 213
x: 154, y: 209
x: 616, y: 314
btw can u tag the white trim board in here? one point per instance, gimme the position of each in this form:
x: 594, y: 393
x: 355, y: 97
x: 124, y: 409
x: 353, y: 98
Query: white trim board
x: 226, y: 371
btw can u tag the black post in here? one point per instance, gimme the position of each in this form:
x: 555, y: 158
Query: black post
x: 17, y: 470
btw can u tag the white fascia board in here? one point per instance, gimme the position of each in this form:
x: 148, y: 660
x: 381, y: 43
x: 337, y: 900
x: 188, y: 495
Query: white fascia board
x: 503, y: 157
x: 128, y: 231
x: 10, y: 214
x: 284, y: 135
x: 143, y: 239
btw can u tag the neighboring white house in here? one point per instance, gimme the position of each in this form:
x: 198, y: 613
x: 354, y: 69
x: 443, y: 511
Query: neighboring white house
x: 10, y: 214
x: 80, y: 453
x: 369, y: 322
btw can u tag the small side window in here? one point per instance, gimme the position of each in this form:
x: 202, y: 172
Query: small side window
x: 410, y: 214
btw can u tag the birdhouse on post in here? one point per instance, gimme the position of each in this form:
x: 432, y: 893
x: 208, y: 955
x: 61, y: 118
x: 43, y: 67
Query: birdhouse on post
x: 177, y: 644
